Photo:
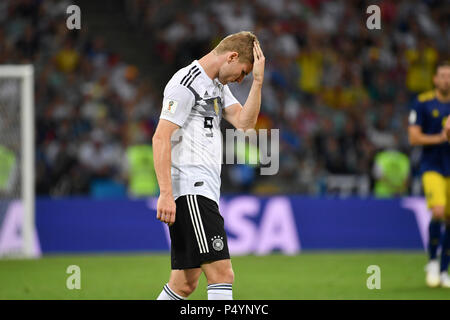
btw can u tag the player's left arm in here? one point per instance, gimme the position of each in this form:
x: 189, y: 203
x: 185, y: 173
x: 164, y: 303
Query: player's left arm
x: 245, y: 117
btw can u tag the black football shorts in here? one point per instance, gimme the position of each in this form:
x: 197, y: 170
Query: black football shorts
x: 198, y: 234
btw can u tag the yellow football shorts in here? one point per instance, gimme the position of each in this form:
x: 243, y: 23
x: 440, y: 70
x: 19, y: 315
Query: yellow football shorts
x: 437, y: 190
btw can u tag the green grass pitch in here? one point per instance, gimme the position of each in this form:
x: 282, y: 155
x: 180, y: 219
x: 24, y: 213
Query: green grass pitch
x: 310, y: 275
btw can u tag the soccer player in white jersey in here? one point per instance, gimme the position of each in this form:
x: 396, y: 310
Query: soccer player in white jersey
x: 187, y: 149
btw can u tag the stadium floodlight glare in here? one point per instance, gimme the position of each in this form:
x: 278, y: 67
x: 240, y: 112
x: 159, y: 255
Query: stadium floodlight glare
x: 17, y: 197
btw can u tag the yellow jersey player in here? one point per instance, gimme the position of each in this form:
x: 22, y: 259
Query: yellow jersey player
x: 429, y: 124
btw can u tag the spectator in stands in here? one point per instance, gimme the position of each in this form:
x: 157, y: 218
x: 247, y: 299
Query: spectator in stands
x: 336, y: 91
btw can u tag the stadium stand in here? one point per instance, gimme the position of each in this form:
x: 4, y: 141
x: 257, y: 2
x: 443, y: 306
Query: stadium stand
x: 338, y: 93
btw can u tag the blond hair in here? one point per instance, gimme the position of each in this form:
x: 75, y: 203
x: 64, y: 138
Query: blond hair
x: 241, y: 42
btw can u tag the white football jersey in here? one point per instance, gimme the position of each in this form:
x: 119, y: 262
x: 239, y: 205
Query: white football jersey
x: 194, y: 102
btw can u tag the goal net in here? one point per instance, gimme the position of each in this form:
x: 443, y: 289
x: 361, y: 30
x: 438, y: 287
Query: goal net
x: 18, y: 238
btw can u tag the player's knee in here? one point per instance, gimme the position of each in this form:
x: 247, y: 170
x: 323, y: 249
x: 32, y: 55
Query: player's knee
x: 222, y: 276
x: 230, y: 276
x: 227, y: 276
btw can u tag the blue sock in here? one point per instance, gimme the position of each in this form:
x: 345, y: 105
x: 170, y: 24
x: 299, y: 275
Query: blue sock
x: 434, y: 237
x: 445, y: 258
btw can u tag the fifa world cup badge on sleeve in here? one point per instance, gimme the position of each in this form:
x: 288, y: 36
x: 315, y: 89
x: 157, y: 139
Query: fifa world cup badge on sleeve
x: 170, y: 105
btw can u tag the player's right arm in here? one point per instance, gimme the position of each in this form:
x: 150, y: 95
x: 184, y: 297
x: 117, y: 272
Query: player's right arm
x: 415, y: 133
x: 165, y: 211
x: 418, y: 138
x: 177, y: 105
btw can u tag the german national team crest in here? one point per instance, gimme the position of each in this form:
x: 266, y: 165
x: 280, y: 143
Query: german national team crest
x: 217, y: 243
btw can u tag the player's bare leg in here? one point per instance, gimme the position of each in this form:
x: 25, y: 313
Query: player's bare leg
x: 181, y: 284
x: 220, y: 277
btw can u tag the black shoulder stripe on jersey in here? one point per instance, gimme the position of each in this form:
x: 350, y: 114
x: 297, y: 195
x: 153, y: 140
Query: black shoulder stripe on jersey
x: 189, y: 75
x: 195, y: 75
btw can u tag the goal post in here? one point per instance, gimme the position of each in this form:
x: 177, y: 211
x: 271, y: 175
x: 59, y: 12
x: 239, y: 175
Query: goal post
x: 18, y: 237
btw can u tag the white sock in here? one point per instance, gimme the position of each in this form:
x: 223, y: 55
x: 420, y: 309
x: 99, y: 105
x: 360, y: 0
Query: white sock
x: 220, y: 291
x: 169, y: 294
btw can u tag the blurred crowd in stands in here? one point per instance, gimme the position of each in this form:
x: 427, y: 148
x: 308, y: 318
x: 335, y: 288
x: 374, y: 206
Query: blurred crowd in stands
x: 89, y: 104
x: 338, y: 92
